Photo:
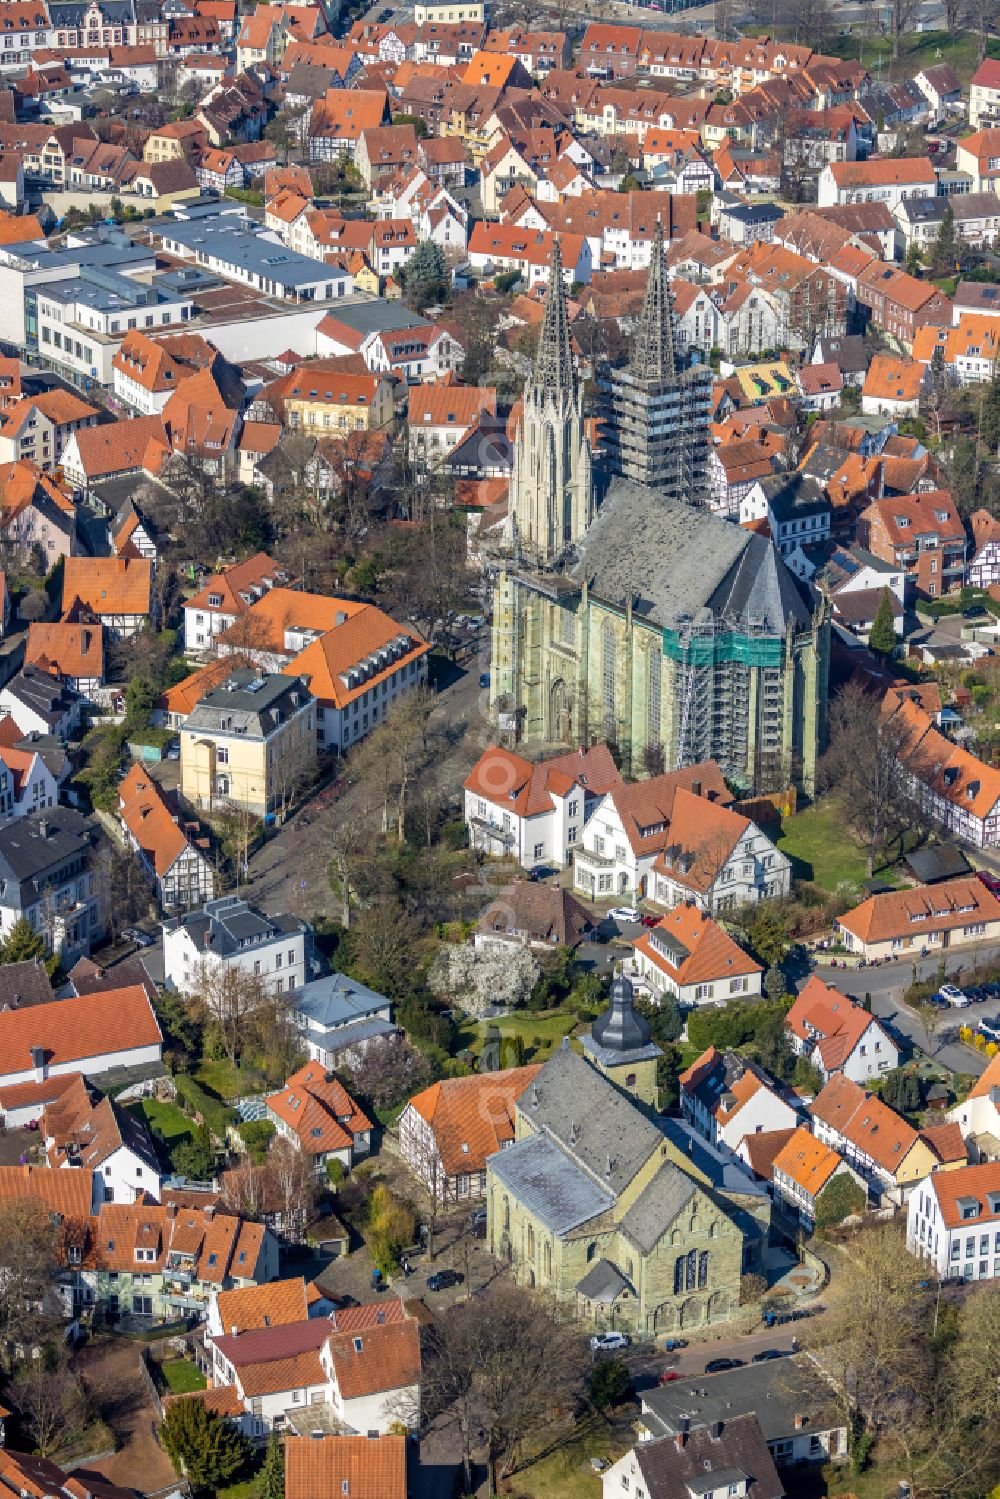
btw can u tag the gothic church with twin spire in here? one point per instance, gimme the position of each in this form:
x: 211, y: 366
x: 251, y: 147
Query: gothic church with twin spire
x: 626, y: 610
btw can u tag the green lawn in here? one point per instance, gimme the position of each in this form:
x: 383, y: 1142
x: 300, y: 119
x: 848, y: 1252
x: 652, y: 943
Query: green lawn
x: 917, y: 49
x: 167, y: 1120
x: 566, y: 1473
x: 182, y: 1376
x: 820, y: 849
x: 220, y: 1077
x: 540, y: 1031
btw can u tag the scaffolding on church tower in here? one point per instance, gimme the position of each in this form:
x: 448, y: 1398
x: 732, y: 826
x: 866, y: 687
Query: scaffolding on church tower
x: 657, y: 413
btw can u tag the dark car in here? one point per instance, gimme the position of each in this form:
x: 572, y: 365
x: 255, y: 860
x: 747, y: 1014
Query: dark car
x: 766, y: 1354
x: 442, y: 1279
x: 672, y: 1344
x: 720, y: 1365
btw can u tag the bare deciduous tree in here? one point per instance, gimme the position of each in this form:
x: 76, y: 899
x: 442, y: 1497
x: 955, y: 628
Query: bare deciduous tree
x: 873, y: 1346
x: 871, y: 765
x: 29, y: 1248
x: 230, y: 998
x: 51, y: 1403
x: 387, y: 1071
x: 294, y: 1183
x: 503, y: 1363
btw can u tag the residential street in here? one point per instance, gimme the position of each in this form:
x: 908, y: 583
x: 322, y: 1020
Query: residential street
x: 291, y: 872
x: 886, y: 986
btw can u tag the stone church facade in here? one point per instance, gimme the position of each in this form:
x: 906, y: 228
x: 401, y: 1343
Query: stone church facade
x: 654, y: 624
x: 591, y: 1204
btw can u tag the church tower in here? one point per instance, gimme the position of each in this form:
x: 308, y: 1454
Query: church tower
x: 657, y: 416
x: 619, y: 1045
x: 552, y: 483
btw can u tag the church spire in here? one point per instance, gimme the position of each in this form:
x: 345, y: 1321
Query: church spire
x: 553, y: 370
x: 654, y: 357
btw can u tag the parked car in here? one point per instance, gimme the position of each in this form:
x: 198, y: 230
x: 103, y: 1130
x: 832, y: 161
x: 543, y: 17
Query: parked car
x: 953, y: 995
x: 608, y: 1342
x: 673, y: 1344
x: 990, y: 1027
x: 140, y: 938
x: 648, y: 920
x: 721, y: 1365
x: 667, y: 1376
x: 938, y: 1002
x: 975, y: 994
x: 766, y: 1354
x: 624, y: 913
x: 991, y: 881
x: 484, y: 679
x: 442, y: 1279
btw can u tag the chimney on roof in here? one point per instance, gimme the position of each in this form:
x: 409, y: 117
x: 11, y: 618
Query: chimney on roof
x: 170, y: 1208
x: 15, y: 1000
x: 43, y: 827
x: 38, y: 1062
x: 800, y: 1420
x: 715, y: 1430
x: 207, y: 938
x: 209, y: 1211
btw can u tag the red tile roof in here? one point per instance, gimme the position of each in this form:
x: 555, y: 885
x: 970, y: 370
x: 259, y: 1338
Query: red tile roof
x: 945, y: 907
x: 329, y: 1467
x: 472, y: 1117
x: 978, y: 1185
x: 711, y: 952
x: 272, y: 1305
x: 108, y: 585
x: 72, y: 1030
x: 319, y: 1110
x: 388, y: 1358
x: 808, y: 1162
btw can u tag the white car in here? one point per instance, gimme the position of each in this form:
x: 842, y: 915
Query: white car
x: 954, y: 996
x: 606, y: 1342
x: 624, y: 913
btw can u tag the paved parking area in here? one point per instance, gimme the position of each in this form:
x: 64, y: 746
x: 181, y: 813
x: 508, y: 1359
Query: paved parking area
x: 887, y: 985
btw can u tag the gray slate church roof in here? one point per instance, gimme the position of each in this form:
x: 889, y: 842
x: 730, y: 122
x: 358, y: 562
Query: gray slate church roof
x: 676, y: 560
x: 546, y: 1182
x: 595, y: 1125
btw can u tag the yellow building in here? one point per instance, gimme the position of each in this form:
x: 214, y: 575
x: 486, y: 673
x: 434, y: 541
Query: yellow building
x: 764, y: 382
x: 449, y: 12
x: 250, y: 742
x: 365, y: 279
x: 319, y: 397
x: 174, y: 142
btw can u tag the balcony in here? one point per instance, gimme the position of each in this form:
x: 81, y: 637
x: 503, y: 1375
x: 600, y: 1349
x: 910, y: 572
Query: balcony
x: 488, y: 829
x: 592, y: 860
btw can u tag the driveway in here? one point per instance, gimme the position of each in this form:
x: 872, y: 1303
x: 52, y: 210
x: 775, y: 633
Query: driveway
x: 111, y: 1368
